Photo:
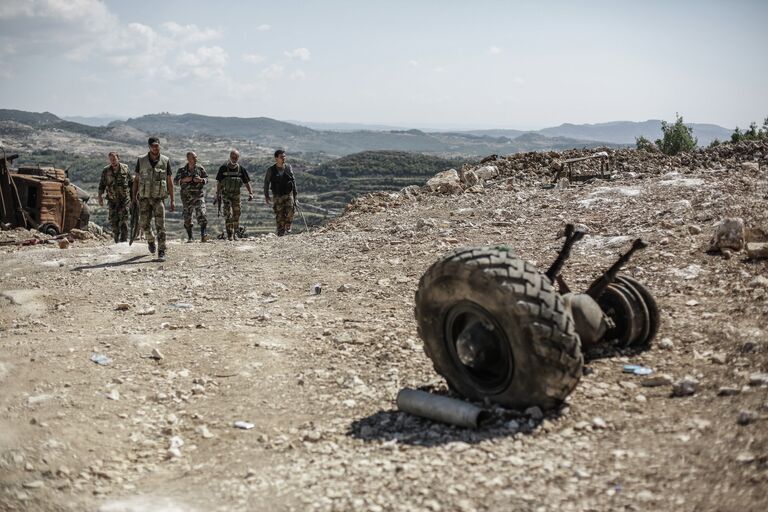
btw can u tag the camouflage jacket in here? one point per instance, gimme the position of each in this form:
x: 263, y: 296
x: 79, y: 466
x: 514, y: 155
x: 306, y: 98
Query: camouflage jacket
x: 116, y: 182
x: 192, y: 189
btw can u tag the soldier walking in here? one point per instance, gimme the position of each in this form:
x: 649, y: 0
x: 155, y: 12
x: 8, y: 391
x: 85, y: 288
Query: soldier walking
x: 279, y: 179
x: 230, y: 178
x: 116, y: 182
x: 152, y: 184
x: 192, y: 178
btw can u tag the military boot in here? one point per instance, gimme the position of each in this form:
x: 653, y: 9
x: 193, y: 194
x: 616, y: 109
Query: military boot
x: 236, y: 232
x: 151, y: 247
x: 203, y: 236
x: 189, y: 233
x: 229, y: 235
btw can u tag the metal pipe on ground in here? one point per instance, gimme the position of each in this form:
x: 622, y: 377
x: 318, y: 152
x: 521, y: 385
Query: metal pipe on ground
x: 440, y: 408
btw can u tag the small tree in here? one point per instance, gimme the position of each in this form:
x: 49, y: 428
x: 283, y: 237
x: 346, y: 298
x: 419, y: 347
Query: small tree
x: 736, y: 136
x: 676, y: 137
x: 714, y: 143
x: 643, y: 144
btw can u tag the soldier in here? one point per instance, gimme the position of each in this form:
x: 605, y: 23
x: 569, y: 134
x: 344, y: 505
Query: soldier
x: 153, y: 182
x: 279, y: 178
x: 192, y: 178
x: 229, y: 179
x: 116, y: 182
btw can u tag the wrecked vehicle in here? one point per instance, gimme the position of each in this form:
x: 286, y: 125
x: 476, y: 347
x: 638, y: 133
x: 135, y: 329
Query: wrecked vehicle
x: 40, y: 198
x: 498, y: 330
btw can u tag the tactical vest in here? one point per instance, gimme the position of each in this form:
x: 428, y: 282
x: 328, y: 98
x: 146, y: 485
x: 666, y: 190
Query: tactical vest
x: 152, y: 182
x: 281, y: 184
x: 118, y: 182
x: 231, y: 182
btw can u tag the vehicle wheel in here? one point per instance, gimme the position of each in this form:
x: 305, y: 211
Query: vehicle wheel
x: 496, y: 329
x: 49, y: 229
x: 651, y: 306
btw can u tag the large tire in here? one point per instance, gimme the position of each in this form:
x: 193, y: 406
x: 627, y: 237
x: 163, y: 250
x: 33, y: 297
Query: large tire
x: 535, y: 357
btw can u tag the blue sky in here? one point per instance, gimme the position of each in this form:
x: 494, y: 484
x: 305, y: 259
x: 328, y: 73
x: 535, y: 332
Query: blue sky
x: 449, y: 64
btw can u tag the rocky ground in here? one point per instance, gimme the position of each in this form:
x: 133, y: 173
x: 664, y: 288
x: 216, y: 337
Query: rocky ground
x: 229, y: 332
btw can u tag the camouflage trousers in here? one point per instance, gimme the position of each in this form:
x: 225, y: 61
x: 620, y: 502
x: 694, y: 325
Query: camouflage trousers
x: 193, y: 204
x: 119, y: 213
x: 149, y: 209
x: 231, y: 206
x: 283, y: 207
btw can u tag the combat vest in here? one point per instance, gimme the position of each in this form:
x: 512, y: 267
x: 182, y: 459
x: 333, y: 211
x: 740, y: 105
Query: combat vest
x: 231, y: 181
x: 118, y: 182
x: 152, y: 182
x: 281, y: 183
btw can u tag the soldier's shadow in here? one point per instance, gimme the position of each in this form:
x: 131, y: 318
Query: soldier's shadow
x: 133, y: 260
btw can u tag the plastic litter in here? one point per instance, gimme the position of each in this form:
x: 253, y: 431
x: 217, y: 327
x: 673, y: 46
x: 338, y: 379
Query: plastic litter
x: 101, y: 359
x: 244, y: 425
x: 637, y: 369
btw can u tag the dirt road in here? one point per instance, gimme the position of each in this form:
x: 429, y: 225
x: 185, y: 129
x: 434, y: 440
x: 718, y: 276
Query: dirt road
x: 241, y: 338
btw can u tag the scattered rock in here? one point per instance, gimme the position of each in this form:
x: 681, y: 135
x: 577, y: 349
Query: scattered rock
x: 63, y: 243
x: 686, y: 386
x: 446, y: 182
x: 746, y: 417
x: 758, y: 379
x: 666, y: 344
x: 657, y: 381
x: 729, y: 234
x: 146, y: 311
x: 757, y: 250
x: 535, y: 413
x: 122, y: 306
x: 728, y: 391
x: 156, y: 354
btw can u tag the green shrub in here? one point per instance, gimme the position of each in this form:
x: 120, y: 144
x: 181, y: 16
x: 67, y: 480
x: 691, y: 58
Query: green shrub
x: 643, y: 144
x: 676, y: 137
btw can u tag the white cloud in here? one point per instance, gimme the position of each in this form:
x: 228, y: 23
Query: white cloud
x: 272, y: 72
x: 298, y: 53
x: 190, y: 33
x: 494, y: 50
x: 263, y: 27
x: 253, y: 58
x: 413, y: 63
x: 69, y: 10
x: 298, y: 75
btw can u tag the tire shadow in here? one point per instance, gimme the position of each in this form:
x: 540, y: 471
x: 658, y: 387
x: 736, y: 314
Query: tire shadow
x: 133, y: 260
x: 400, y: 427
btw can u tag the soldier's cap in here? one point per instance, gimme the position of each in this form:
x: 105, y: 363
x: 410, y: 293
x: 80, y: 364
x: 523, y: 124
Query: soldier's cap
x: 153, y: 140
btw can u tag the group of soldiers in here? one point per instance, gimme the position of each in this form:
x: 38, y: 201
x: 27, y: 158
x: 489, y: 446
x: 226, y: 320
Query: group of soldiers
x: 153, y: 181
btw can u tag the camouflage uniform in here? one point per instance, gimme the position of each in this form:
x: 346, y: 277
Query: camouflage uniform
x: 230, y: 181
x: 152, y: 193
x: 193, y: 198
x: 117, y: 184
x: 283, y: 186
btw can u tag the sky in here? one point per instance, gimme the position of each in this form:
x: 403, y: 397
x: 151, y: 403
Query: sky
x: 417, y: 63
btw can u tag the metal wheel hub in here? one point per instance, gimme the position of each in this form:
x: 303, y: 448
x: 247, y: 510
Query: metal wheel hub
x: 479, y: 347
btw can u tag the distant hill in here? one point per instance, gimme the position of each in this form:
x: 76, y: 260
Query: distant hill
x: 625, y: 132
x: 270, y: 133
x: 94, y: 120
x: 273, y: 133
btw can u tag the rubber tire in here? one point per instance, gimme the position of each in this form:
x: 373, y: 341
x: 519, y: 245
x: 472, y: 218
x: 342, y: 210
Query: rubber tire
x: 545, y: 347
x: 49, y: 229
